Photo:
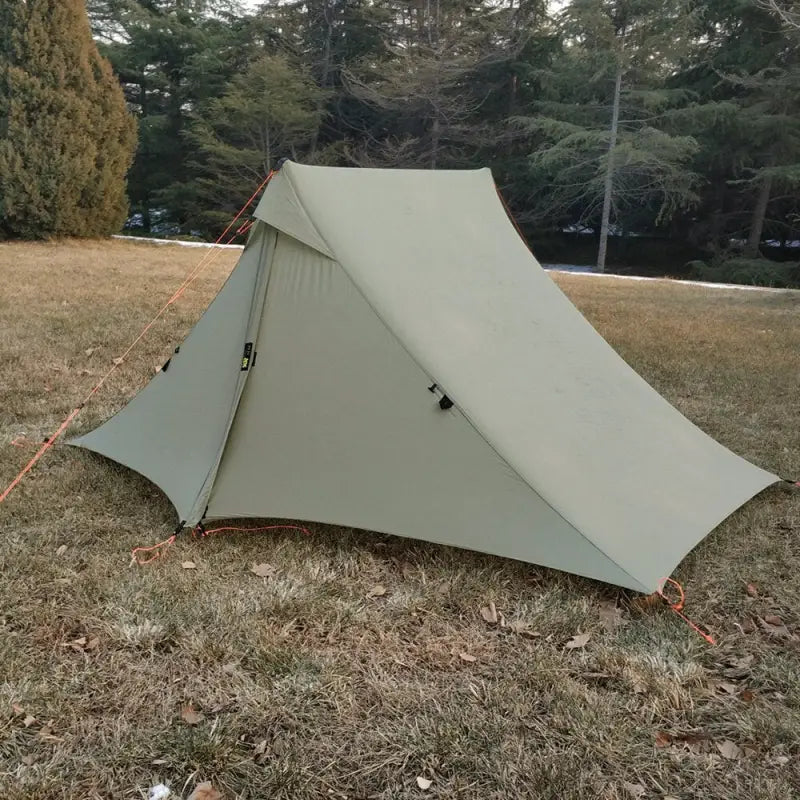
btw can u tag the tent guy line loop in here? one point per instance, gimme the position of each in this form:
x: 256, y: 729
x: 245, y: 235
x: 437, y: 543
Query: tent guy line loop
x: 199, y: 531
x: 209, y: 256
x: 677, y: 607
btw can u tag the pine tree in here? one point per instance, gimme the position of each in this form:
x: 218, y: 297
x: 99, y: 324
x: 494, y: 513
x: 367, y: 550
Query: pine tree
x: 66, y: 137
x: 270, y: 111
x: 604, y: 151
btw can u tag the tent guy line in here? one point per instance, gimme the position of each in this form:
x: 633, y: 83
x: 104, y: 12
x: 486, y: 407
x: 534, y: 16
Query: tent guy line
x: 117, y: 362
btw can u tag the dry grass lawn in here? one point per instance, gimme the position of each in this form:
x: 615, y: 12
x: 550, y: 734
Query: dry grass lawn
x: 307, y: 685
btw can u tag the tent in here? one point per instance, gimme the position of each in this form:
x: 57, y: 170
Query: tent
x: 388, y: 355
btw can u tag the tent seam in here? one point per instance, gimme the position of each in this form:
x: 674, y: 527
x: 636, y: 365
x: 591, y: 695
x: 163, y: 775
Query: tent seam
x: 207, y: 485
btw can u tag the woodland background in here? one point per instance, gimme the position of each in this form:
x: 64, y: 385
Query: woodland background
x: 683, y: 115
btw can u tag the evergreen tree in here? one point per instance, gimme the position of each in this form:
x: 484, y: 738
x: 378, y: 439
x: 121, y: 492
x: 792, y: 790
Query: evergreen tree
x: 672, y: 118
x: 744, y: 74
x: 66, y: 138
x: 170, y: 56
x: 602, y: 144
x: 272, y: 110
x: 425, y: 88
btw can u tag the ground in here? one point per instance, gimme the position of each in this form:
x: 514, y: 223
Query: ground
x: 364, y: 662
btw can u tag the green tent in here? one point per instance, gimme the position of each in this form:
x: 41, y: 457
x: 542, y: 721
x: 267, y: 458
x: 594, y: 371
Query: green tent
x: 388, y: 355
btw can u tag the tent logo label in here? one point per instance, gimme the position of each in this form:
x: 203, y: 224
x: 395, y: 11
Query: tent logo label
x: 248, y: 352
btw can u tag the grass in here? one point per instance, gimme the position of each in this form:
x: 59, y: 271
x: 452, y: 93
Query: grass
x: 308, y: 686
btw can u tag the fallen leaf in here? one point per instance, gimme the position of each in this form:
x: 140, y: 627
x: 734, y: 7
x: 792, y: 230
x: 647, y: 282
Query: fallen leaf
x: 522, y: 629
x: 578, y: 641
x: 260, y: 748
x: 663, y: 739
x: 190, y: 716
x: 610, y: 615
x: 634, y: 789
x: 89, y: 350
x: 81, y: 644
x: 188, y: 565
x: 748, y: 626
x: 263, y: 570
x: 751, y: 589
x: 218, y: 708
x: 92, y: 644
x: 738, y: 667
x: 377, y: 591
x: 773, y: 625
x: 780, y: 761
x: 17, y: 709
x: 467, y: 657
x: 61, y: 550
x: 728, y: 688
x: 729, y: 750
x: 747, y: 696
x: 489, y: 613
x: 596, y: 676
x: 158, y: 762
x: 694, y: 743
x: 205, y: 791
x: 29, y: 720
x: 424, y: 783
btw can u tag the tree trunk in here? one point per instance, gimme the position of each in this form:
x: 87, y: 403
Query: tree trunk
x: 436, y: 124
x: 717, y: 229
x: 325, y: 69
x: 609, y: 181
x: 435, y: 139
x: 757, y: 221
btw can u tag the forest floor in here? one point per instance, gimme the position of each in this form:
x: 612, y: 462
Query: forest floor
x: 364, y: 666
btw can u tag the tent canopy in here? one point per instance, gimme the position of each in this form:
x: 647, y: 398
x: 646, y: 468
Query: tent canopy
x: 313, y: 388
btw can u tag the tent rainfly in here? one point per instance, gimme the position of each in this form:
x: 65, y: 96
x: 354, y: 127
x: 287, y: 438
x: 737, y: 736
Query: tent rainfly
x: 388, y: 355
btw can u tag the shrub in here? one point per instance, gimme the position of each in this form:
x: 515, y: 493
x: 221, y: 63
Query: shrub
x: 66, y: 137
x: 748, y: 271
